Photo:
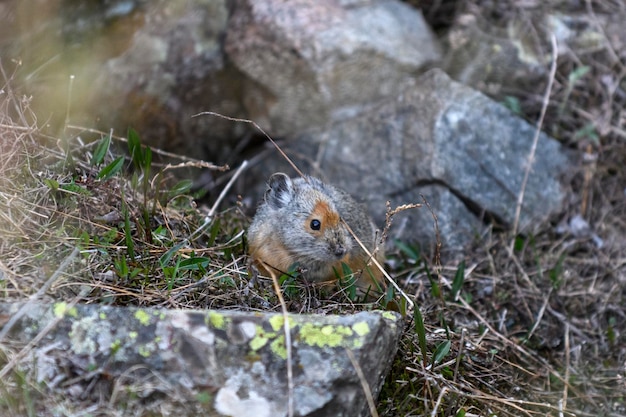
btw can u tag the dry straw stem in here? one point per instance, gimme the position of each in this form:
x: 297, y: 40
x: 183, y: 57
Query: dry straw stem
x: 13, y: 100
x: 209, y: 216
x: 364, y: 385
x: 256, y: 126
x: 533, y: 149
x: 187, y: 161
x: 373, y: 260
x: 43, y: 332
x: 509, y: 342
x: 287, y: 332
x: 66, y: 262
x: 277, y: 290
x: 277, y: 286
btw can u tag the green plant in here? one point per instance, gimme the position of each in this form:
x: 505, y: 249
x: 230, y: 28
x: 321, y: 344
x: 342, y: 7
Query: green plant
x: 347, y: 281
x: 141, y: 155
x: 457, y: 283
x: 555, y: 273
x: 513, y: 104
x: 572, y: 78
x: 420, y: 330
x: 99, y: 154
x: 289, y: 283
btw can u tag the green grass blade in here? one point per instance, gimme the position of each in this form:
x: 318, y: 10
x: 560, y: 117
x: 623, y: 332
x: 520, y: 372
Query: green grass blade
x: 182, y: 187
x: 101, y: 150
x: 130, y: 245
x: 164, y: 260
x: 147, y: 161
x: 111, y: 169
x: 441, y: 352
x: 434, y: 284
x: 409, y: 250
x: 195, y: 263
x: 134, y: 148
x: 457, y: 283
x: 349, y: 283
x: 420, y: 330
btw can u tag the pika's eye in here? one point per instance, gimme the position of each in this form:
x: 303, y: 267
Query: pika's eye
x: 316, y: 224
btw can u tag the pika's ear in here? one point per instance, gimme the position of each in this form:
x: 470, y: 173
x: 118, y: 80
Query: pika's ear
x: 280, y: 191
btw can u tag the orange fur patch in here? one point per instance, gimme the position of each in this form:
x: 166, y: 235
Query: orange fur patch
x: 323, y: 212
x: 270, y: 256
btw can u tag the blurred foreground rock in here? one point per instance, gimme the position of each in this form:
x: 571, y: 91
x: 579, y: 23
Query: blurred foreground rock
x: 208, y: 362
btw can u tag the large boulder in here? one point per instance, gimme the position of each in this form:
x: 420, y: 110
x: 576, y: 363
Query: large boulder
x: 310, y: 61
x: 287, y: 65
x: 464, y: 153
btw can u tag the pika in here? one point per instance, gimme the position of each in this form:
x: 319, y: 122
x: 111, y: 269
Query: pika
x: 300, y: 222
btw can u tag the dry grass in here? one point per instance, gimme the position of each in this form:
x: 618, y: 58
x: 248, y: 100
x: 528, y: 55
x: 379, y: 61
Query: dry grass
x: 539, y: 329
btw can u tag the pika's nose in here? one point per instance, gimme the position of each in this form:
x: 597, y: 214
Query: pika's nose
x: 340, y: 250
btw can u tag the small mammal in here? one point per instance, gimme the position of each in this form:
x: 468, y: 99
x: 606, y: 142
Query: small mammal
x: 299, y: 222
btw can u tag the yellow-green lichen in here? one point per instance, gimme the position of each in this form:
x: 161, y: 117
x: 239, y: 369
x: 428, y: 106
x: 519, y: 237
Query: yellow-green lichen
x: 217, y: 320
x: 390, y: 316
x: 159, y: 314
x: 361, y: 328
x: 278, y: 321
x: 260, y: 339
x: 115, y: 346
x: 143, y: 317
x: 102, y: 316
x: 325, y: 336
x: 61, y: 309
x: 132, y: 335
x: 144, y: 351
x: 278, y: 347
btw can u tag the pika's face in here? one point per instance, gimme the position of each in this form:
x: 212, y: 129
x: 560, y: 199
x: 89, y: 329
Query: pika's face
x: 327, y: 238
x: 306, y: 220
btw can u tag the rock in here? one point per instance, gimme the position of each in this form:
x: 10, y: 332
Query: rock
x: 482, y: 55
x: 147, y: 65
x: 465, y: 153
x: 234, y: 360
x: 513, y: 51
x: 172, y: 68
x: 314, y: 61
x: 152, y: 65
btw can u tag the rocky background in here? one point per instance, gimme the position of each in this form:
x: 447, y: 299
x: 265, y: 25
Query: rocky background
x: 368, y: 95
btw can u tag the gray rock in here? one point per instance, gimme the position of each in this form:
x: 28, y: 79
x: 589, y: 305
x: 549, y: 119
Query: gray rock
x: 465, y: 153
x: 513, y: 51
x: 152, y: 65
x: 172, y: 68
x: 235, y: 359
x: 313, y: 61
x: 482, y: 55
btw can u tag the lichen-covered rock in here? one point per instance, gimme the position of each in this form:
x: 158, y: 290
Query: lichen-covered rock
x: 235, y: 361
